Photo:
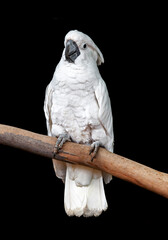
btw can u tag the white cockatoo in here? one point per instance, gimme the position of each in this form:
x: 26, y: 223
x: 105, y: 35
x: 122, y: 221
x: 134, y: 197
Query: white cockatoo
x: 77, y: 108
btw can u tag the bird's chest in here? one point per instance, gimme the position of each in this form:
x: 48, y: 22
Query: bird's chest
x: 75, y: 109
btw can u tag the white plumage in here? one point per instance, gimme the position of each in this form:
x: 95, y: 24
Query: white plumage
x: 77, y: 105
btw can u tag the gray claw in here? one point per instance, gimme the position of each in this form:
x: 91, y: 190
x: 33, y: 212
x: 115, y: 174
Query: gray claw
x: 94, y: 149
x: 60, y: 141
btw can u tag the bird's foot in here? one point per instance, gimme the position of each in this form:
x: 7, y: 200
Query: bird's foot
x: 60, y: 141
x: 94, y: 149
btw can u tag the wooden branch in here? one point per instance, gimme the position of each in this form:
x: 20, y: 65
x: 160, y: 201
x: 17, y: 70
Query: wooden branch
x: 74, y: 153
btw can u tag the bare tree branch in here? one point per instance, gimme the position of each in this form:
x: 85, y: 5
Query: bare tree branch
x: 74, y: 153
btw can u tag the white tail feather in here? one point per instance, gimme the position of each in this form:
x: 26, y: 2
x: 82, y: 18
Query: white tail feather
x: 84, y: 200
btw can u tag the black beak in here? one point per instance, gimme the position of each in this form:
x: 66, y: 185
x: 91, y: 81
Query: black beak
x: 71, y: 51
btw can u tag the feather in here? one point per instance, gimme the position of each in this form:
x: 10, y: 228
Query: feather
x: 105, y: 113
x: 86, y: 200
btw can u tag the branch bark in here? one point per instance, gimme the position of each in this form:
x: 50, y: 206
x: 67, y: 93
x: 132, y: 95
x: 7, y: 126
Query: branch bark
x: 74, y: 153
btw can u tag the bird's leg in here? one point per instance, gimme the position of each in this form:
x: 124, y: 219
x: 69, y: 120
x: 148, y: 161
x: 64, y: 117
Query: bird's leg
x: 60, y: 141
x: 94, y: 149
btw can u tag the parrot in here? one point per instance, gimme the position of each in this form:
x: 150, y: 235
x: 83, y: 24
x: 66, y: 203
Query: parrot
x: 77, y: 108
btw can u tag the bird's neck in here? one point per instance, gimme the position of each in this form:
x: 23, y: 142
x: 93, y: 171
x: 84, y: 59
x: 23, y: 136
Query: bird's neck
x: 72, y: 72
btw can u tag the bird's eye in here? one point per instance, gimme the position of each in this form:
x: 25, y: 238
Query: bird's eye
x: 84, y: 46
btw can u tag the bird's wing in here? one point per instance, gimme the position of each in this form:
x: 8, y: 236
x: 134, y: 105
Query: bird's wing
x: 105, y: 112
x: 105, y: 118
x: 47, y: 108
x: 59, y: 167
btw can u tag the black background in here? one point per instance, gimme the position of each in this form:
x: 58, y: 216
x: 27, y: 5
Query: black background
x: 133, y: 41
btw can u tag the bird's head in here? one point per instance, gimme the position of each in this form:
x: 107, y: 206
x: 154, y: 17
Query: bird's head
x: 80, y: 48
